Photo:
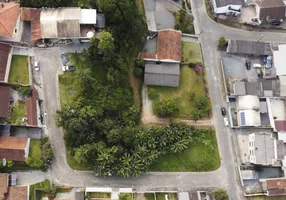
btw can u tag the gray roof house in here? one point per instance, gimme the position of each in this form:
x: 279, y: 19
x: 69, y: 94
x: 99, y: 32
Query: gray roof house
x: 164, y: 74
x: 248, y: 47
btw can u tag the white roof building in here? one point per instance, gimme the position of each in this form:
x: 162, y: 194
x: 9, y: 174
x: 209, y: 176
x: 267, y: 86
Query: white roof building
x: 279, y: 60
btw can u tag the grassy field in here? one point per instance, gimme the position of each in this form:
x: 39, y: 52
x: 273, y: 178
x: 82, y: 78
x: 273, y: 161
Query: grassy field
x: 44, y: 184
x: 161, y: 196
x: 19, y: 112
x: 191, y: 52
x: 35, y: 149
x: 190, y: 82
x: 202, y: 155
x: 19, y: 71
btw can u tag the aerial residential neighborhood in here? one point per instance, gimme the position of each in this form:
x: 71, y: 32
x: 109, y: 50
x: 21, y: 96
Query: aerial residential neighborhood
x: 143, y: 100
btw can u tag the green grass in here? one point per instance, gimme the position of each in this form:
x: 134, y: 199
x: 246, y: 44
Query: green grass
x: 19, y: 71
x: 74, y: 164
x: 68, y: 88
x: 35, y: 149
x: 191, y: 52
x: 19, y: 112
x: 44, y: 184
x: 190, y: 82
x: 149, y: 196
x: 103, y: 195
x: 161, y: 196
x: 199, y: 157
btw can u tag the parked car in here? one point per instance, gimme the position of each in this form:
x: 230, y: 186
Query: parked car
x: 223, y: 111
x: 248, y: 64
x: 225, y: 120
x: 36, y: 66
x: 65, y: 59
x: 68, y: 68
x: 276, y: 23
x: 257, y: 65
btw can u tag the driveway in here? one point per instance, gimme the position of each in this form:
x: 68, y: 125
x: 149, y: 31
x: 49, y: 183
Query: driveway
x: 30, y: 177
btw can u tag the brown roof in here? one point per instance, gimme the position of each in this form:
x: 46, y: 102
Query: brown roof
x: 3, y: 185
x: 280, y: 125
x: 169, y: 45
x: 4, y: 55
x: 32, y: 108
x: 13, y: 148
x: 17, y: 193
x: 33, y: 15
x: 148, y: 55
x: 276, y: 187
x: 9, y: 13
x: 4, y: 101
x: 274, y: 9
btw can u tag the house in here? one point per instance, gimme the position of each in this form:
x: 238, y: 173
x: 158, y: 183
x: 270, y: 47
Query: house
x: 14, y: 148
x: 279, y: 60
x: 258, y: 148
x: 5, y: 59
x: 269, y: 11
x: 32, y: 114
x: 8, y: 190
x: 162, y: 55
x: 9, y: 21
x: 227, y: 7
x: 248, y: 47
x: 275, y: 187
x: 32, y: 15
x: 4, y: 101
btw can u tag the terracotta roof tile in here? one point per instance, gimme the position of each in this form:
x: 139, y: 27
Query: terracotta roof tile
x: 169, y: 45
x: 33, y: 15
x: 4, y: 55
x: 280, y: 125
x: 32, y: 108
x: 148, y: 55
x: 276, y: 187
x: 17, y: 193
x: 4, y: 101
x: 9, y: 13
x: 13, y: 148
x: 3, y: 185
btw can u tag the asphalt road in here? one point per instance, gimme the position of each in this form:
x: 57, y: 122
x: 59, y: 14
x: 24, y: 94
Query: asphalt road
x: 224, y: 177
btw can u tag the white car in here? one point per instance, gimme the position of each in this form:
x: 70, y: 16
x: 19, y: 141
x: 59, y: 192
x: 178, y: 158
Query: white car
x: 36, y: 66
x: 256, y: 65
x: 225, y: 120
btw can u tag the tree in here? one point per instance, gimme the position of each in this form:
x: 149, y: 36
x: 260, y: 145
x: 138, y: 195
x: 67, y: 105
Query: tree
x: 202, y: 103
x: 182, y: 15
x: 165, y: 107
x: 220, y: 194
x: 138, y: 71
x: 222, y: 42
x: 106, y: 43
x: 35, y: 163
x: 47, y: 152
x: 139, y: 62
x: 10, y: 163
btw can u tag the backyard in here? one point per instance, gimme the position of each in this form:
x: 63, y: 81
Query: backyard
x: 19, y: 71
x: 191, y: 52
x: 35, y: 149
x: 19, y: 112
x: 202, y: 155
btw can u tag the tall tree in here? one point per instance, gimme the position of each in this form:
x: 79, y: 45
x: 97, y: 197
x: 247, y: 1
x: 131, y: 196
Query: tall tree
x: 106, y: 44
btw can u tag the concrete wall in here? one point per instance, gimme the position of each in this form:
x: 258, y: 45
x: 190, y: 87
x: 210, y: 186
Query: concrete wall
x: 8, y: 65
x: 27, y: 148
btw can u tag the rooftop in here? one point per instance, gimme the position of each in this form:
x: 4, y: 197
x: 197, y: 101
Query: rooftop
x: 276, y: 187
x: 279, y: 60
x: 264, y: 149
x: 4, y: 56
x: 32, y: 117
x: 221, y: 3
x: 4, y: 101
x: 13, y: 148
x: 274, y: 9
x: 9, y: 13
x: 33, y: 15
x: 17, y: 192
x: 280, y: 125
x: 3, y: 184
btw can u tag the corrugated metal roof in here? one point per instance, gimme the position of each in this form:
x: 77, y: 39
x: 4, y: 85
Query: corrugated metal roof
x: 264, y: 148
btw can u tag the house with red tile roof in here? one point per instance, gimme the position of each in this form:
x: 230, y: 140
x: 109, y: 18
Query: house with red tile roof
x: 4, y: 101
x: 5, y: 60
x: 32, y: 116
x: 14, y: 148
x: 276, y: 187
x: 10, y: 22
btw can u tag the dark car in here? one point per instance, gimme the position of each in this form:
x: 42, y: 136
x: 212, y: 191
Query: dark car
x: 65, y: 59
x: 276, y: 23
x: 248, y: 64
x: 223, y: 111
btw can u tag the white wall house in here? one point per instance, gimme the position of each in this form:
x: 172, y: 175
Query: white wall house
x: 228, y: 7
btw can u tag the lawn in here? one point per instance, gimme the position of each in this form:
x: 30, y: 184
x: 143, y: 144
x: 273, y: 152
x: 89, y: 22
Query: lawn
x: 67, y: 88
x: 74, y: 164
x: 44, y: 184
x: 101, y: 195
x: 19, y: 112
x: 161, y: 196
x: 35, y: 149
x: 202, y: 155
x: 191, y: 52
x: 19, y: 71
x: 190, y: 82
x: 149, y: 196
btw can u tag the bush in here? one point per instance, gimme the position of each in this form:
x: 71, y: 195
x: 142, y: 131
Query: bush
x: 152, y: 94
x: 35, y: 163
x: 222, y: 42
x: 47, y: 152
x: 192, y: 65
x: 177, y: 26
x: 139, y: 62
x: 165, y: 107
x: 138, y: 72
x: 220, y: 195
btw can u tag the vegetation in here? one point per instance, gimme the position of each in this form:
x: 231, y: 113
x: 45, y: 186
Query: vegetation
x: 190, y: 83
x: 184, y: 21
x: 19, y: 71
x: 126, y: 196
x: 191, y: 53
x: 165, y: 107
x: 100, y: 195
x: 39, y: 190
x: 222, y: 42
x: 161, y: 196
x: 19, y: 112
x: 220, y: 194
x: 149, y: 196
x: 202, y: 155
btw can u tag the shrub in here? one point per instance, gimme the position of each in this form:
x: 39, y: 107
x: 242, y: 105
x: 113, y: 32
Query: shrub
x: 191, y: 65
x: 177, y: 26
x: 138, y: 72
x: 165, y: 107
x: 152, y: 94
x: 47, y: 152
x: 222, y: 42
x: 139, y: 62
x: 197, y: 69
x: 35, y: 163
x: 220, y: 195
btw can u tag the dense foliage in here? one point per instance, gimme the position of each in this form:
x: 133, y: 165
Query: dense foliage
x: 165, y: 107
x: 222, y: 42
x: 220, y: 194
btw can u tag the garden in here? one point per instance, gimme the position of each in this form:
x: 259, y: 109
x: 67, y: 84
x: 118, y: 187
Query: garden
x: 19, y: 112
x: 19, y: 70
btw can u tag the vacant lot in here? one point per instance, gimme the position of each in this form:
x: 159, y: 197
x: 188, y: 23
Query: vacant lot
x: 202, y: 155
x: 190, y: 82
x: 191, y: 52
x: 19, y: 71
x: 19, y: 111
x: 35, y: 149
